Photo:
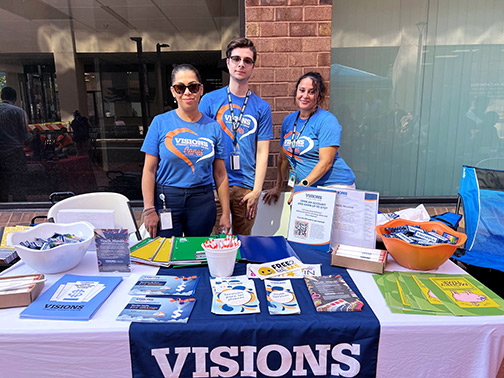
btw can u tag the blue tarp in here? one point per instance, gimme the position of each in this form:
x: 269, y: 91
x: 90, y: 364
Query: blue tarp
x: 482, y: 192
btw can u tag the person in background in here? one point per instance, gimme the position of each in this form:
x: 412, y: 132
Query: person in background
x: 182, y: 149
x: 80, y: 127
x: 14, y: 134
x: 64, y: 141
x: 310, y: 140
x: 246, y: 121
x: 37, y: 145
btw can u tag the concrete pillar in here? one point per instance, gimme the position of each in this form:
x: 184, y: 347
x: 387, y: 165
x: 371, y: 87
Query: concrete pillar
x: 71, y: 84
x: 69, y: 72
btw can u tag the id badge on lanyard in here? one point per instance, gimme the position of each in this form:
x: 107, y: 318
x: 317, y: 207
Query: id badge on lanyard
x: 292, y: 179
x: 165, y: 215
x: 235, y: 160
x: 235, y: 155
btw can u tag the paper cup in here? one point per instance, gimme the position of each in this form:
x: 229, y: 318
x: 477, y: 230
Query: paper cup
x: 221, y: 262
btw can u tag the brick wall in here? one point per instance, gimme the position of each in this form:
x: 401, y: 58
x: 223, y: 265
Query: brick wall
x: 292, y: 37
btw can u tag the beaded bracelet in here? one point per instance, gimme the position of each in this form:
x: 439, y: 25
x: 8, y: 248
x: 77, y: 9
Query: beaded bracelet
x: 148, y: 210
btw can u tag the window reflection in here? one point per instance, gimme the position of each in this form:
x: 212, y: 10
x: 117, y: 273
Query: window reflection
x: 418, y: 94
x: 83, y: 57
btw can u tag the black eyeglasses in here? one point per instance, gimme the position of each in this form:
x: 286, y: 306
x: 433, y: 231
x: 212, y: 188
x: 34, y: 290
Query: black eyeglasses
x: 246, y: 61
x: 181, y: 88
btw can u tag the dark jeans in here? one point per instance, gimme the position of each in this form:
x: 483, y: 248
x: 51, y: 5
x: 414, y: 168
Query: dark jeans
x: 12, y: 175
x: 193, y: 210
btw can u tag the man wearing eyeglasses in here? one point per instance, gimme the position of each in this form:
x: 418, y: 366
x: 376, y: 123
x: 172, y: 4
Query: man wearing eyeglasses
x: 245, y: 119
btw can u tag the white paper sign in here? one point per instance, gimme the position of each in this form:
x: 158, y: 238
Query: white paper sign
x: 354, y: 219
x: 324, y: 217
x: 312, y: 217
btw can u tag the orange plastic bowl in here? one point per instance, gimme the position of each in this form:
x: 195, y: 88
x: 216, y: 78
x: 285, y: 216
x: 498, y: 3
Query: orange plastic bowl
x: 419, y: 257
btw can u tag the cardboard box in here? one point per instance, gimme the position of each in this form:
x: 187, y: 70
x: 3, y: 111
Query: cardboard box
x: 24, y: 295
x: 358, y: 263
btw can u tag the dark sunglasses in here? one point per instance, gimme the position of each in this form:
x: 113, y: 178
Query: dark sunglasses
x: 181, y: 88
x: 246, y: 61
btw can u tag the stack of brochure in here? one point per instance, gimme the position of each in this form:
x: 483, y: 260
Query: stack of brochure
x: 165, y: 285
x: 234, y: 295
x: 438, y: 294
x: 332, y: 294
x: 281, y: 297
x: 72, y: 297
x: 157, y: 310
x: 162, y: 308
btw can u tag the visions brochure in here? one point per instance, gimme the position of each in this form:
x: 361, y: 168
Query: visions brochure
x: 165, y: 285
x: 72, y: 297
x: 332, y: 294
x: 324, y: 217
x: 112, y: 251
x: 157, y: 310
x: 281, y: 297
x: 234, y: 295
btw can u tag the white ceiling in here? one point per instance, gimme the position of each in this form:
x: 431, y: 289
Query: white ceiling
x: 107, y: 25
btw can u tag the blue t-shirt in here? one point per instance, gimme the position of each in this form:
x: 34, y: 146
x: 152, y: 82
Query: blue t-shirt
x: 322, y: 130
x: 255, y: 126
x: 186, y: 150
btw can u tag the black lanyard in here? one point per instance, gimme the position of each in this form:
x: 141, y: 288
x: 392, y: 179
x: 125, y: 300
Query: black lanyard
x: 236, y: 125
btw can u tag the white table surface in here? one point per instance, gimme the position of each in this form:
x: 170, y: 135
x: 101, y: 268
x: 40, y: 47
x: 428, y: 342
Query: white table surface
x: 433, y: 346
x: 410, y: 345
x: 50, y: 348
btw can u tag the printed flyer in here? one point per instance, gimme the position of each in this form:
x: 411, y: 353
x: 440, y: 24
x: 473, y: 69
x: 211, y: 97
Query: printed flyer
x: 276, y: 268
x: 332, y: 294
x: 157, y: 310
x: 309, y: 270
x: 311, y: 217
x: 281, y: 297
x: 234, y: 295
x: 354, y: 218
x: 72, y: 297
x: 112, y: 250
x: 165, y: 285
x: 324, y: 217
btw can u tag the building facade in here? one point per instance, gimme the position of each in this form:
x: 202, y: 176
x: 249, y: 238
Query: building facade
x: 417, y: 85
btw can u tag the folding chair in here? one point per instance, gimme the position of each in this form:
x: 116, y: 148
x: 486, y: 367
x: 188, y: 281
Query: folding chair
x: 481, y: 194
x: 124, y: 216
x: 273, y: 220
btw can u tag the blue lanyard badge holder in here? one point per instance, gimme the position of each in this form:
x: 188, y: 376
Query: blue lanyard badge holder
x: 235, y: 155
x: 165, y: 215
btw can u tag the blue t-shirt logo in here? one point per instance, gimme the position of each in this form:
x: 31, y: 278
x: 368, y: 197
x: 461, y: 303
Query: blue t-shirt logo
x: 188, y: 149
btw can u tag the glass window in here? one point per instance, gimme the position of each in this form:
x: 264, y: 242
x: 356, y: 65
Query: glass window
x: 418, y: 87
x: 112, y: 64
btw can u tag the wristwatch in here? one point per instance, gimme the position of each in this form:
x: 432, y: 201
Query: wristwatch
x: 305, y: 182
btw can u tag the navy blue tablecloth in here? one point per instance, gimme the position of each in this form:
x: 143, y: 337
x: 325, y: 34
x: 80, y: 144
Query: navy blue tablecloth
x: 262, y: 345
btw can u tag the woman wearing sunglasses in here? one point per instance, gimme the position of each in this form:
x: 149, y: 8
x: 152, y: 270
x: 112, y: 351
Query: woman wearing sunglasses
x: 183, y: 149
x: 310, y: 140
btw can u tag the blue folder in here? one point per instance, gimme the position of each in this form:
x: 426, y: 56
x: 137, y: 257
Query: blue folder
x: 262, y: 249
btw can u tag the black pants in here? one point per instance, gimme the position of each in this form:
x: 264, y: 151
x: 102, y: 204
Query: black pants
x: 13, y: 175
x: 193, y: 210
